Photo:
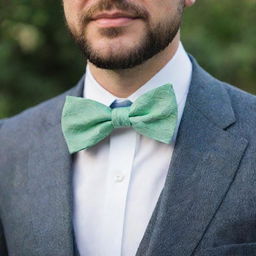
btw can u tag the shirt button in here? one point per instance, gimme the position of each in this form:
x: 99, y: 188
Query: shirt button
x: 119, y: 178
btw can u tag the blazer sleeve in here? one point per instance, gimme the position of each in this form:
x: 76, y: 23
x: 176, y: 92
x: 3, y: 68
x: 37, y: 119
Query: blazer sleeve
x: 3, y: 248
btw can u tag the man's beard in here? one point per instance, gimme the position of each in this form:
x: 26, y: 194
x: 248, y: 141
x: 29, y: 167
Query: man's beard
x: 157, y: 37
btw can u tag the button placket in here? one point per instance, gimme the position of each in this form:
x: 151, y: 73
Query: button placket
x: 121, y: 156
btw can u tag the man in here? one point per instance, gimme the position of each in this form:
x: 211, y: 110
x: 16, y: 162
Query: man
x: 180, y: 181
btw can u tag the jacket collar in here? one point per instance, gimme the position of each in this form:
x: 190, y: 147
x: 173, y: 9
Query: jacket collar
x: 210, y: 97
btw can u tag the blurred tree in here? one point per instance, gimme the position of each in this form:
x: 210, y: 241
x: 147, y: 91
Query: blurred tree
x: 222, y: 36
x: 38, y: 59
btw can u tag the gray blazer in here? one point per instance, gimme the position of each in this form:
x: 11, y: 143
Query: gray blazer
x: 207, y: 206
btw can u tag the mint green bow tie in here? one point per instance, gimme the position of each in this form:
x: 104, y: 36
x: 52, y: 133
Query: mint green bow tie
x: 86, y: 122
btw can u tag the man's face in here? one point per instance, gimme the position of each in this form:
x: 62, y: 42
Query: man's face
x: 120, y: 34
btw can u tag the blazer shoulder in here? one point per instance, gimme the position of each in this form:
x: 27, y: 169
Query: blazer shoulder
x: 20, y: 122
x: 16, y: 132
x: 47, y: 112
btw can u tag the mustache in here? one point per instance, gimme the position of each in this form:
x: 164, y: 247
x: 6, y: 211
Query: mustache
x: 119, y: 5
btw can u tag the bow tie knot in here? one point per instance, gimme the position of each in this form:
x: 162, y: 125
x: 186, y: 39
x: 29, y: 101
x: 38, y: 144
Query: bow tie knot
x: 120, y: 117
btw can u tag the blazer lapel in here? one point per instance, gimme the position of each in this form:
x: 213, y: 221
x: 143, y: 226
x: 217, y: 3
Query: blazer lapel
x: 204, y: 164
x: 50, y: 182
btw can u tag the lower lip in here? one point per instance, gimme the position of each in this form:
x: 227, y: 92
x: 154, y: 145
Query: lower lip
x: 114, y: 22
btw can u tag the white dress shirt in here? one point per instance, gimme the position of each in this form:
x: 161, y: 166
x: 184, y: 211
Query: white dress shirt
x: 117, y: 183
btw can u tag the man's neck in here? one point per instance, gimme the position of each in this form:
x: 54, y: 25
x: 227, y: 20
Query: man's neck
x: 123, y: 83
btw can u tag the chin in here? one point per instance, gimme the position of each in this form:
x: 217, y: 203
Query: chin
x: 113, y: 50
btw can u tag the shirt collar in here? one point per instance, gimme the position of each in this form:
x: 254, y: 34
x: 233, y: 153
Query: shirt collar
x: 177, y: 72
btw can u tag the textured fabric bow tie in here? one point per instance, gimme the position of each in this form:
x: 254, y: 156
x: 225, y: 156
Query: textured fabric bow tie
x: 86, y: 122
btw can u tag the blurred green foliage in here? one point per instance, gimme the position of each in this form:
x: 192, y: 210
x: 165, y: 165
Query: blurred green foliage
x: 222, y: 36
x: 38, y: 59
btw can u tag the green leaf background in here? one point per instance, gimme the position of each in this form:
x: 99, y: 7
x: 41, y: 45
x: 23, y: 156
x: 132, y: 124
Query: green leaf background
x: 39, y: 60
